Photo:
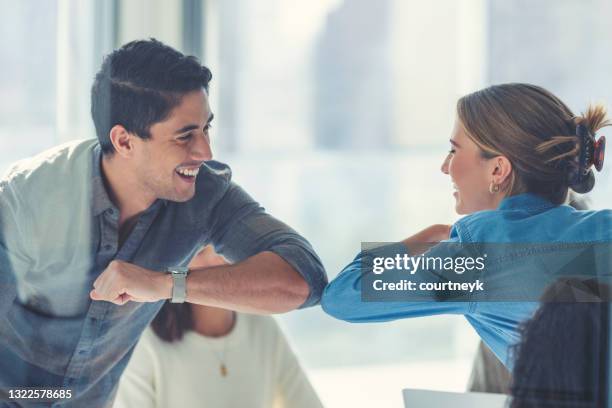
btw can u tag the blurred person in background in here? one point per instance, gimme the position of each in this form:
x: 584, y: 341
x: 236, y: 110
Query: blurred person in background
x: 516, y: 152
x: 201, y: 356
x: 562, y: 358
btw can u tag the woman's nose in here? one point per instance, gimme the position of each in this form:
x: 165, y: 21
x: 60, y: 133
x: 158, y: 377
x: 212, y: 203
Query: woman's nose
x: 444, y: 168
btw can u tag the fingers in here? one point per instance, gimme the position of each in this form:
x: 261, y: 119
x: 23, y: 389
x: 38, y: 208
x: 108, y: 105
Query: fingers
x: 105, y: 286
x: 122, y: 299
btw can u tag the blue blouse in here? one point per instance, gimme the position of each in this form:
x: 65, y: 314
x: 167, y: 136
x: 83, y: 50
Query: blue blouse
x: 524, y: 218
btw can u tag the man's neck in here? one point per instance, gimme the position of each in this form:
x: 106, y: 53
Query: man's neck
x: 124, y: 190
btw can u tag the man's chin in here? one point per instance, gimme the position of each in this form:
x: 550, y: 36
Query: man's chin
x: 185, y: 197
x: 180, y: 196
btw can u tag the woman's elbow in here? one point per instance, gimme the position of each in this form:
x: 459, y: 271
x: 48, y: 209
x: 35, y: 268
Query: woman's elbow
x: 335, y: 302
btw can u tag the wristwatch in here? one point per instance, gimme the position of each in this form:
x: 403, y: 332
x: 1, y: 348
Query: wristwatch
x: 179, y: 287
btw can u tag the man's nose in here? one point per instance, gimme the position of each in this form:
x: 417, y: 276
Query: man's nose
x: 201, y: 149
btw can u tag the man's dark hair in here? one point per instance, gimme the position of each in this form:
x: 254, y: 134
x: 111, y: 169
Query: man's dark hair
x: 139, y: 84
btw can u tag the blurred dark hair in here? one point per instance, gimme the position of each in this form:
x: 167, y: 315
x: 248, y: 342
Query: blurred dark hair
x: 562, y: 357
x: 172, y: 321
x: 139, y: 84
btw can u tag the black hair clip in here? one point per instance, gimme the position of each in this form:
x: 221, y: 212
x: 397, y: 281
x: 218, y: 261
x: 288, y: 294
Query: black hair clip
x: 591, y: 151
x: 599, y: 152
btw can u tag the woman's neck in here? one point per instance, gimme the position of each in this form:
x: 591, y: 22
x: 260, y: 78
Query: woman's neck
x: 211, y: 321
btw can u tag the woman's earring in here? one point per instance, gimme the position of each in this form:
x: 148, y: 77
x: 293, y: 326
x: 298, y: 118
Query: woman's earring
x: 493, y: 188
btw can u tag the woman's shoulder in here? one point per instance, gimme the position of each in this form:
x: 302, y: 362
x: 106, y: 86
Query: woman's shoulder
x: 468, y: 227
x: 560, y: 222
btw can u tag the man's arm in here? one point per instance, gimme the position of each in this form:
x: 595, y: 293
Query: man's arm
x: 275, y: 270
x: 241, y: 229
x: 263, y: 283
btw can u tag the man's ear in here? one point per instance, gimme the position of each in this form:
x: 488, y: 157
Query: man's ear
x: 122, y: 140
x: 501, y: 171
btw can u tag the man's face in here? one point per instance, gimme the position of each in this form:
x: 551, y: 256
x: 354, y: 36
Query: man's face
x: 167, y: 164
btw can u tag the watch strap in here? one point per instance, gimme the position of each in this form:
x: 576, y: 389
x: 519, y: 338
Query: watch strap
x: 179, y: 284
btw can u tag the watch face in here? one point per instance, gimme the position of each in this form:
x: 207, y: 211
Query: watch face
x: 179, y: 270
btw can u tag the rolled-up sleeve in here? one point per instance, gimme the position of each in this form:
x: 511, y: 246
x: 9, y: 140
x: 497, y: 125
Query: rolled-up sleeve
x: 241, y: 228
x: 343, y: 297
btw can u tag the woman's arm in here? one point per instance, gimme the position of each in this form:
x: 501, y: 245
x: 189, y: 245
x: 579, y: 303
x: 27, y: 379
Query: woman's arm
x: 342, y: 298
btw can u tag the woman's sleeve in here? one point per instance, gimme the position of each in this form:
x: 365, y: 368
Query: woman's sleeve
x: 342, y: 298
x: 137, y: 385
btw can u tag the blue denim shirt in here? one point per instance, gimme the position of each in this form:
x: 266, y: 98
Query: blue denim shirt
x: 59, y: 231
x: 523, y: 218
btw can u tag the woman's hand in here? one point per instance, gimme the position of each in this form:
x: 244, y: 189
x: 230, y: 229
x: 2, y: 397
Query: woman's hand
x: 423, y: 240
x: 206, y: 258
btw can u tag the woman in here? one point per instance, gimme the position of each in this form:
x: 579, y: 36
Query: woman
x: 200, y: 356
x: 562, y: 357
x: 516, y: 152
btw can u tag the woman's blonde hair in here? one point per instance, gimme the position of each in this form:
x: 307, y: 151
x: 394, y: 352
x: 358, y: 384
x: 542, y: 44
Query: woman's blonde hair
x: 536, y: 131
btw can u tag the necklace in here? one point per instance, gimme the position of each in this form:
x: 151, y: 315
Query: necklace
x: 221, y: 358
x: 222, y: 366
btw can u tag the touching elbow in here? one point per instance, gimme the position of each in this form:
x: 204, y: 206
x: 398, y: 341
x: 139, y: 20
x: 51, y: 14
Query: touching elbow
x: 301, y: 291
x: 331, y: 303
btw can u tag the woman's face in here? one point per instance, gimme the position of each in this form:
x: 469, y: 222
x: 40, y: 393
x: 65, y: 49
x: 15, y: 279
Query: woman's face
x: 470, y: 173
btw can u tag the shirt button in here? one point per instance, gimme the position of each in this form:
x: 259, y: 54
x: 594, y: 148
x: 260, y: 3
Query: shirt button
x: 110, y: 211
x: 108, y: 247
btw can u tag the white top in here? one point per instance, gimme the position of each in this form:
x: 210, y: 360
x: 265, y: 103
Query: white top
x: 262, y: 370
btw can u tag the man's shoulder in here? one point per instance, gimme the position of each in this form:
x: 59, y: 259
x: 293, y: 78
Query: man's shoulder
x: 212, y: 182
x: 51, y: 168
x: 214, y: 175
x: 50, y: 180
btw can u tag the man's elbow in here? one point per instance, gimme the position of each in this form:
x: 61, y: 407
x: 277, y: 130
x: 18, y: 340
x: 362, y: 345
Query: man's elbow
x: 301, y: 291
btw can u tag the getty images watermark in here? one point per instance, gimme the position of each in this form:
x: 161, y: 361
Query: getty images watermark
x: 411, y: 264
x: 476, y: 271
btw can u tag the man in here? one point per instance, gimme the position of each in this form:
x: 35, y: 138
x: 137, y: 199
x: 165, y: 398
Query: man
x: 94, y: 234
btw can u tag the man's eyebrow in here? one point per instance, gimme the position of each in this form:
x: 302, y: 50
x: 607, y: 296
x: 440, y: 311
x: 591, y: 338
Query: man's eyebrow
x: 188, y: 128
x: 454, y: 143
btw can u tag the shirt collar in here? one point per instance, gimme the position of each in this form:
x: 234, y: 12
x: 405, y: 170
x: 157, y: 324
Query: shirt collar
x: 525, y: 201
x: 100, y: 199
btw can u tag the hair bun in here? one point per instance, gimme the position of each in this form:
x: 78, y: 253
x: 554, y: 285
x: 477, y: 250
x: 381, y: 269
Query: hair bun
x: 584, y: 184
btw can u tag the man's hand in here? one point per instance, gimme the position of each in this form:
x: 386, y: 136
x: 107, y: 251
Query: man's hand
x: 122, y: 281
